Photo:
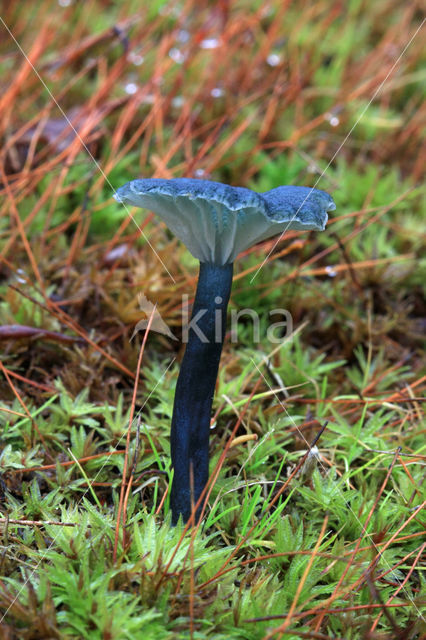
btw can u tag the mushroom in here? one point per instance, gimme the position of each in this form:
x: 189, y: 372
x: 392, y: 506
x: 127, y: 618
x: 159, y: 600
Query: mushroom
x: 216, y: 222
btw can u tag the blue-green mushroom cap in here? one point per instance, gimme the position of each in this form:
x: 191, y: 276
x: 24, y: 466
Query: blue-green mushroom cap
x: 216, y: 221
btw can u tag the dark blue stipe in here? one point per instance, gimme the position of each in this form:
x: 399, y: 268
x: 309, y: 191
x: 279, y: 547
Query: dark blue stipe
x: 195, y: 387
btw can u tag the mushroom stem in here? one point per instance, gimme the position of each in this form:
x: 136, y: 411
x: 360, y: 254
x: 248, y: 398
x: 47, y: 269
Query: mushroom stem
x: 195, y: 387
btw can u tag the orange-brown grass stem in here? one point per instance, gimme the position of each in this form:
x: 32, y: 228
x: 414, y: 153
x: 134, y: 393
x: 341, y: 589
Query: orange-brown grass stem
x: 121, y: 514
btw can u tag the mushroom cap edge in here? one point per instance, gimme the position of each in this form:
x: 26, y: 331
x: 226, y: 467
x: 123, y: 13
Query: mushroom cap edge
x: 217, y: 221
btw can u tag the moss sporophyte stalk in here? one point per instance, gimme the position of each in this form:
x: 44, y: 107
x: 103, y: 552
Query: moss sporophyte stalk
x: 216, y: 222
